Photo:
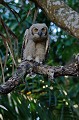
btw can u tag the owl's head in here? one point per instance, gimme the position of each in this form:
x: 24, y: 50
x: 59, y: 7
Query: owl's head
x: 39, y: 32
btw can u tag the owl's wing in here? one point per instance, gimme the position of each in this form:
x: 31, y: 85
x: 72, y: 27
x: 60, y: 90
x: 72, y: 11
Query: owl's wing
x: 25, y: 40
x: 47, y: 47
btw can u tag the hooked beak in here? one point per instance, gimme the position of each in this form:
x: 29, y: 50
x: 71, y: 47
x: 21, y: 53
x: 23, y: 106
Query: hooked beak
x: 40, y: 33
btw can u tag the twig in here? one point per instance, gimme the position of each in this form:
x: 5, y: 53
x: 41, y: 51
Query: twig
x: 2, y: 70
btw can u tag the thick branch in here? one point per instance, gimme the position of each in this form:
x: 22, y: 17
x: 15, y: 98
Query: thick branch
x: 61, y: 14
x: 25, y: 67
x: 15, y: 80
x: 69, y: 70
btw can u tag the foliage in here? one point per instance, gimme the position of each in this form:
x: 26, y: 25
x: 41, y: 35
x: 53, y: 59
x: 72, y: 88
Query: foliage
x: 36, y: 98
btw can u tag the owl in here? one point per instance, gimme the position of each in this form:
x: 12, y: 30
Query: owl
x: 36, y: 43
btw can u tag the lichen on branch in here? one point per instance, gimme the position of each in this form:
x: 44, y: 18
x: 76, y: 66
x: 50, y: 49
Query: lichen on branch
x: 51, y: 71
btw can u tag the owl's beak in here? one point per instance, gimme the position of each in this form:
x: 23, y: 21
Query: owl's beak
x: 40, y: 33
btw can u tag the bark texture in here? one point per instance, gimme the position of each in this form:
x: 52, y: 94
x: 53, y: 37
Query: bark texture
x: 26, y: 67
x: 61, y: 14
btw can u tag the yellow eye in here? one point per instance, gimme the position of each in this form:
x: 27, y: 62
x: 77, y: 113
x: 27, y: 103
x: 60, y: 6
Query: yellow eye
x: 35, y: 29
x: 44, y: 30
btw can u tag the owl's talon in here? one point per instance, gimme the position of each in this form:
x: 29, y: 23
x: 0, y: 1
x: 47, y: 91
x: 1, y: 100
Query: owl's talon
x: 29, y: 58
x: 36, y: 63
x: 40, y: 62
x: 37, y: 59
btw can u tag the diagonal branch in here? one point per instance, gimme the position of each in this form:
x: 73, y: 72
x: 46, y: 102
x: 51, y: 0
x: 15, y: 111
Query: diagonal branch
x: 26, y: 66
x: 61, y: 14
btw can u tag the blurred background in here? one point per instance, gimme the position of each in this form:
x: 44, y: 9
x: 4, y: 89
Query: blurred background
x: 36, y: 98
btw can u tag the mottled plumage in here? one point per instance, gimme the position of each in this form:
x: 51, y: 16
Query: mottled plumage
x: 36, y: 43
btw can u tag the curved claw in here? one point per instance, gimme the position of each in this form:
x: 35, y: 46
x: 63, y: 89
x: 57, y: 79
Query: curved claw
x: 29, y: 58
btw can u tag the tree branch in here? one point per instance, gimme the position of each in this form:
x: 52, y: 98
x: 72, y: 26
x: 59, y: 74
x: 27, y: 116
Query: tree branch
x: 61, y: 14
x: 68, y: 19
x: 22, y: 69
x: 25, y: 67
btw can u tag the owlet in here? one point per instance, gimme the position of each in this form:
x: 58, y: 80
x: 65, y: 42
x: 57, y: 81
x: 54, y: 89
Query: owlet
x: 36, y: 43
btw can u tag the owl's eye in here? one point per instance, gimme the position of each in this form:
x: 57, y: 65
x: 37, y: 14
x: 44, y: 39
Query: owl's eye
x: 44, y: 30
x: 35, y: 30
